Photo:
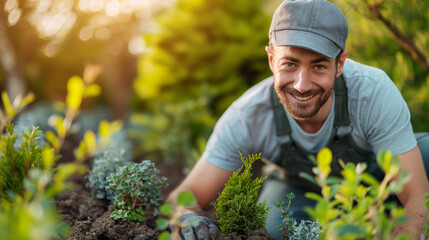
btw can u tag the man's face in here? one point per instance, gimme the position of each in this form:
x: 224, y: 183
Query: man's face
x: 304, y: 81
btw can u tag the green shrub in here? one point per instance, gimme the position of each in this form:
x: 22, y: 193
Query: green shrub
x: 236, y: 208
x: 33, y: 215
x: 15, y: 163
x: 306, y: 230
x: 29, y: 177
x: 136, y: 187
x: 355, y: 207
x: 104, y: 165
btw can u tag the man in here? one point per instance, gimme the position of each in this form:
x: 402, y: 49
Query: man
x: 316, y: 98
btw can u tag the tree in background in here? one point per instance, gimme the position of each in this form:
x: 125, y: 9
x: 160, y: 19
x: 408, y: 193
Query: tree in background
x: 394, y: 36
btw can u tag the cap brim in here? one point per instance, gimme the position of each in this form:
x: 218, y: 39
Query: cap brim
x: 307, y: 40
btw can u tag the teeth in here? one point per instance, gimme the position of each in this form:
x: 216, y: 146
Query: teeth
x: 304, y: 98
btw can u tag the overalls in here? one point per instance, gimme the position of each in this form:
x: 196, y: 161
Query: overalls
x: 294, y: 159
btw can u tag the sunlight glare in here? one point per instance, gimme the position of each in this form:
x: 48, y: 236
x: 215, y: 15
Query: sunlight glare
x: 136, y: 45
x: 50, y: 49
x: 113, y: 9
x: 86, y: 33
x: 99, y: 21
x: 43, y: 5
x: 102, y: 33
x: 14, y: 16
x: 10, y: 5
x: 91, y: 5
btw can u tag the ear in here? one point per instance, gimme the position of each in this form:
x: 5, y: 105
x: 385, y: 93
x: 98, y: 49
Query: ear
x: 341, y: 62
x: 270, y: 58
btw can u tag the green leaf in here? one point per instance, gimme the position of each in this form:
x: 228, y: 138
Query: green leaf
x: 349, y: 229
x: 166, y: 209
x: 48, y: 157
x: 164, y: 236
x: 29, y: 98
x: 75, y: 91
x: 10, y: 111
x: 162, y: 223
x: 307, y: 177
x: 384, y: 159
x: 324, y: 159
x: 186, y: 198
x: 90, y: 141
x: 92, y: 90
x: 52, y: 139
x: 313, y: 196
x: 370, y: 180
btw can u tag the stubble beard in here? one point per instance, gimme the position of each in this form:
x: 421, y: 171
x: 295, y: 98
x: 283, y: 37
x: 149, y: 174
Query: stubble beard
x: 298, y: 112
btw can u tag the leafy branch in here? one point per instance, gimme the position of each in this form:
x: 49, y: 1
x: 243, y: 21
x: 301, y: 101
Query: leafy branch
x: 403, y: 40
x: 374, y: 7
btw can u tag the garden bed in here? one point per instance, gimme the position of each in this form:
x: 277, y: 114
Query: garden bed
x: 89, y: 218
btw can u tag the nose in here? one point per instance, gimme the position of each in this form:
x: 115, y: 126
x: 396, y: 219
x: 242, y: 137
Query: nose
x: 303, y: 83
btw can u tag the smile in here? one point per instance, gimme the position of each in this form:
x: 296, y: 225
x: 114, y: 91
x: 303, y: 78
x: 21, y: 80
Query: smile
x: 303, y: 98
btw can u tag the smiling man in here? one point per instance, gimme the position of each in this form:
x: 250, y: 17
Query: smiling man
x: 316, y: 98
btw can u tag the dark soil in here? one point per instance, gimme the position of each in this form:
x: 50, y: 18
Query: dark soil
x: 89, y: 218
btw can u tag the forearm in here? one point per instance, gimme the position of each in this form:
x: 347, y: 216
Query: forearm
x: 205, y: 181
x: 417, y: 215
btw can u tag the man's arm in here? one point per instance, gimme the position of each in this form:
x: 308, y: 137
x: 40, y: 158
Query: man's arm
x: 412, y: 196
x: 205, y: 181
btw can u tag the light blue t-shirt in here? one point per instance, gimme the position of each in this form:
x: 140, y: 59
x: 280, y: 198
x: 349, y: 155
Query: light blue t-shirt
x: 379, y: 116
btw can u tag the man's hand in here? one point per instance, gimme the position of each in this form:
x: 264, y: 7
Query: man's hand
x: 193, y: 227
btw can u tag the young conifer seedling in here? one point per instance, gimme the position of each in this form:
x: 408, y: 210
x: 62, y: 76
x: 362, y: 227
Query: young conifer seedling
x: 288, y: 221
x: 236, y: 207
x: 290, y: 228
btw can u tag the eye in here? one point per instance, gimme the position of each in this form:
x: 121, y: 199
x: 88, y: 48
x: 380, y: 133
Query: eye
x: 289, y: 64
x: 319, y: 67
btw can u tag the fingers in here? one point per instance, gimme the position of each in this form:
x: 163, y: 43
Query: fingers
x: 213, y: 231
x: 202, y: 231
x: 197, y: 228
x: 187, y: 233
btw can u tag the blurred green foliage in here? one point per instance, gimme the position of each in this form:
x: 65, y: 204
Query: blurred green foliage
x: 357, y: 205
x: 203, y: 56
x: 178, y: 134
x: 30, y: 174
x: 211, y: 48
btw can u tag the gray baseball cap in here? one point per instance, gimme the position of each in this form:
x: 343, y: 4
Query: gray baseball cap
x: 317, y: 25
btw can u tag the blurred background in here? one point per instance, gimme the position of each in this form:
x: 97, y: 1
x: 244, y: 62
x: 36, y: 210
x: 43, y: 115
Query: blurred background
x: 171, y: 67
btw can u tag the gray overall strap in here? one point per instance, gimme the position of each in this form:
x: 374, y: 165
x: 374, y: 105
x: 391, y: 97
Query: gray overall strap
x: 341, y: 109
x: 281, y: 121
x: 341, y: 101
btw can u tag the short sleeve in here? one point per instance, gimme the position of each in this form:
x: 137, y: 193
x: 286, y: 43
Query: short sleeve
x: 386, y: 118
